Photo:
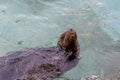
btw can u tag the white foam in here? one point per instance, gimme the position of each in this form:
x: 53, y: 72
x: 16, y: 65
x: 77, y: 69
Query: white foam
x: 31, y: 16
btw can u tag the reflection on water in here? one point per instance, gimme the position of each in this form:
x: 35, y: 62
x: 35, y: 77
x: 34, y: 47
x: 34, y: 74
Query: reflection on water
x: 38, y: 23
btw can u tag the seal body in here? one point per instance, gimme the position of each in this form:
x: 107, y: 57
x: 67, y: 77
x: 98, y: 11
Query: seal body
x: 40, y: 63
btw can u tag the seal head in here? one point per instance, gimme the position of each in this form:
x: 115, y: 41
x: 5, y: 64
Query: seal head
x: 68, y: 42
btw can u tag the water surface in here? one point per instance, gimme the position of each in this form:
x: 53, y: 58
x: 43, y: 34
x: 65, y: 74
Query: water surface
x: 39, y: 23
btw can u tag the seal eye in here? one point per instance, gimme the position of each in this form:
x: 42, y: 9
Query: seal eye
x: 72, y: 37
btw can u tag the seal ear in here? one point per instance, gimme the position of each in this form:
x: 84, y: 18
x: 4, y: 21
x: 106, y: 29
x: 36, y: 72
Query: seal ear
x: 61, y: 41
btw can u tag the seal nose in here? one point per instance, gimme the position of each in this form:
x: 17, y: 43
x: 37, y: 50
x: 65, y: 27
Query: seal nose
x: 71, y: 29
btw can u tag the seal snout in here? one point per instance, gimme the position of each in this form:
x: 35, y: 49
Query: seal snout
x: 70, y: 30
x: 72, y: 34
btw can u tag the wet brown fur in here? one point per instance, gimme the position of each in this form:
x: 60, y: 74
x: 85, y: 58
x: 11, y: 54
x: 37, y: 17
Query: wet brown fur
x: 68, y: 42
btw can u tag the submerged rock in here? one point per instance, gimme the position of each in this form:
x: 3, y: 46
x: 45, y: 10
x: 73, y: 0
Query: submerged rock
x: 42, y: 63
x: 92, y: 77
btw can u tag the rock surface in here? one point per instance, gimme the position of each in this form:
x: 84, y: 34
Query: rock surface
x: 42, y: 63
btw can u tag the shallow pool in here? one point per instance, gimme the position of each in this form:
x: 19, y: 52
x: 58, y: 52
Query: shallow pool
x: 39, y: 23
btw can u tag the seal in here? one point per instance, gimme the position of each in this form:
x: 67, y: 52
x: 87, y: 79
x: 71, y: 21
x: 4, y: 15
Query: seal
x: 42, y: 63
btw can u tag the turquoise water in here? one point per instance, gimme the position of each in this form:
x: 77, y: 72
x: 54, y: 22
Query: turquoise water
x: 39, y: 23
